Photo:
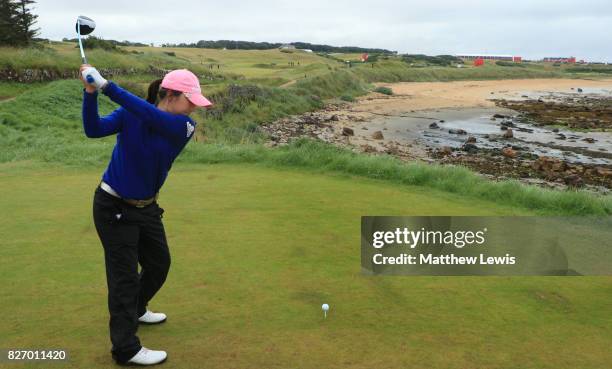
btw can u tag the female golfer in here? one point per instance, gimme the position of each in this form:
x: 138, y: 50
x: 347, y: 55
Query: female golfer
x: 150, y: 135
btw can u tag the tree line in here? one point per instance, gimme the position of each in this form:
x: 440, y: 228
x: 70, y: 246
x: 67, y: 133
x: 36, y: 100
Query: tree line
x: 92, y: 40
x: 17, y: 22
x: 250, y: 45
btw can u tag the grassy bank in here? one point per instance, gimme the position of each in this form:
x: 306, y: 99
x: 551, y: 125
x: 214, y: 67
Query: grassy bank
x: 240, y: 109
x: 320, y: 157
x: 65, y: 56
x: 264, y: 67
x: 48, y: 116
x: 399, y: 71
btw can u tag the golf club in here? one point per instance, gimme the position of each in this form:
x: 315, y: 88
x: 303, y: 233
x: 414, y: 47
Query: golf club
x: 84, y: 26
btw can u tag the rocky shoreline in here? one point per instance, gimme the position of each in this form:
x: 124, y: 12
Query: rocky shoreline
x: 584, y: 112
x: 546, y: 171
x: 337, y: 124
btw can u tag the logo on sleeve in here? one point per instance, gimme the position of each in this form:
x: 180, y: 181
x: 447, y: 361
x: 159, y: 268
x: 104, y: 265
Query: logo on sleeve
x: 190, y: 129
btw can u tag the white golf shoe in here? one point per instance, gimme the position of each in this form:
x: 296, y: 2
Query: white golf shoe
x: 148, y: 357
x: 152, y: 318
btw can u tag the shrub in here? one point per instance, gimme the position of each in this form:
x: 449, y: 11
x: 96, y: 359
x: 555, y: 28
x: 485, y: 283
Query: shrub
x: 384, y: 90
x: 133, y: 87
x: 503, y: 63
x: 93, y: 42
x: 605, y: 70
x: 442, y: 60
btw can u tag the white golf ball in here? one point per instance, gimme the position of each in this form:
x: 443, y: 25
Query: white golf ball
x: 325, y: 307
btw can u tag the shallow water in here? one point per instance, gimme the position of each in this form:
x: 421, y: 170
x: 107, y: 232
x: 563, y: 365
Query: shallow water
x: 548, y: 95
x: 477, y: 122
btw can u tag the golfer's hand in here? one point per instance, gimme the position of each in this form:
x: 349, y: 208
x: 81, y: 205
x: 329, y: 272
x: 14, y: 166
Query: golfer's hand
x: 91, y: 76
x: 89, y: 88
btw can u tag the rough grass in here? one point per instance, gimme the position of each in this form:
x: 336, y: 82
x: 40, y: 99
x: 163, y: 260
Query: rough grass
x: 399, y: 71
x: 230, y: 64
x: 384, y: 90
x: 8, y: 90
x: 317, y: 156
x: 53, y: 112
x: 66, y: 56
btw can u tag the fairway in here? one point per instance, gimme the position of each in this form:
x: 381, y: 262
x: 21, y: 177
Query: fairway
x: 255, y: 252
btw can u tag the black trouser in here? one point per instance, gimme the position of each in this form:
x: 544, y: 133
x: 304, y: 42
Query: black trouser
x: 130, y: 235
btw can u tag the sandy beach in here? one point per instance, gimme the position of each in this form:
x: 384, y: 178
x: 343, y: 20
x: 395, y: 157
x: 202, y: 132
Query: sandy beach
x: 413, y: 96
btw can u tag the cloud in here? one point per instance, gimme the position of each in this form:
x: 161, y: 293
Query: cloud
x: 527, y: 28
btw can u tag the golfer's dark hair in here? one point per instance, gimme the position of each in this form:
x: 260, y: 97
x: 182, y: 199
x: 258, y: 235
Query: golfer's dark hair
x: 155, y: 93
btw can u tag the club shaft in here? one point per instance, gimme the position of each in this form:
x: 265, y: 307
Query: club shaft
x: 80, y: 42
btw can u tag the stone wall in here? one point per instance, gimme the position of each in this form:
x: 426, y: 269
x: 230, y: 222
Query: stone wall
x: 45, y: 75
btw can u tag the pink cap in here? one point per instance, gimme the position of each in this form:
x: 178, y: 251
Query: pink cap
x: 186, y: 82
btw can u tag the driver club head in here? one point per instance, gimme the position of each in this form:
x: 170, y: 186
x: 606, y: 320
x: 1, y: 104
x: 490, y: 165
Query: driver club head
x: 85, y: 25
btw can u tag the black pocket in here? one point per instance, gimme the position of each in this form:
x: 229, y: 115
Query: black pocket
x: 107, y: 207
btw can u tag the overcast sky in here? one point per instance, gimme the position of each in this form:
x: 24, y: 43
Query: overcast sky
x: 530, y: 28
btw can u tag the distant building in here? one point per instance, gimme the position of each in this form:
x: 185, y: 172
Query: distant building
x: 306, y: 50
x: 570, y: 60
x: 287, y: 47
x: 516, y: 59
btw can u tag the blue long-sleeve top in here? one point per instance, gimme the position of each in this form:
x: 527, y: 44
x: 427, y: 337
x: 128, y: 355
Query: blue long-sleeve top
x: 148, y: 140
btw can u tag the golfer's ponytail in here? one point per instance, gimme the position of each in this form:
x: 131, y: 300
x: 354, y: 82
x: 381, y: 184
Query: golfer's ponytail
x: 153, y: 91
